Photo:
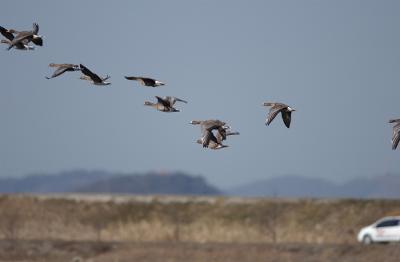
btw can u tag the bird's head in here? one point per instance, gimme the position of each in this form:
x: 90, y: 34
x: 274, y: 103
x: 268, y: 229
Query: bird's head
x: 159, y: 83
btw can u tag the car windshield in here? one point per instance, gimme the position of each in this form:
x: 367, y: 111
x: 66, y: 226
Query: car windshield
x: 388, y: 223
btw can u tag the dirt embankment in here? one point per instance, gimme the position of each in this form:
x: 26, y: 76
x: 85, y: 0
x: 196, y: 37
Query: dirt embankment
x: 92, y: 251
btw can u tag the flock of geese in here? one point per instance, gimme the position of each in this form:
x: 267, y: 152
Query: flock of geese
x: 213, y: 132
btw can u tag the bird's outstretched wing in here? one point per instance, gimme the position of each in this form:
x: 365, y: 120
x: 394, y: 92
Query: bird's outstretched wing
x: 35, y: 30
x: 90, y: 74
x: 208, y: 137
x: 6, y: 33
x: 163, y: 101
x: 131, y: 77
x: 286, y: 116
x: 274, y: 111
x: 58, y: 72
x: 172, y: 100
x: 396, y: 136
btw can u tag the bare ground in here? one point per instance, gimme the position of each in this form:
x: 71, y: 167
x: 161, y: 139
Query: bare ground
x: 78, y: 251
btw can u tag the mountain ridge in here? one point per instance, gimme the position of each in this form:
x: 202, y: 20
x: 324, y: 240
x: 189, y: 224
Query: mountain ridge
x: 180, y: 183
x: 381, y: 186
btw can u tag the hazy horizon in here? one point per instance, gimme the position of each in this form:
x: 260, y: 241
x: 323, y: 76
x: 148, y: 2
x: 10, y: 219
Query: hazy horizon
x: 335, y: 62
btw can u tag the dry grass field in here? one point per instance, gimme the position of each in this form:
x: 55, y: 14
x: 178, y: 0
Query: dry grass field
x: 161, y: 228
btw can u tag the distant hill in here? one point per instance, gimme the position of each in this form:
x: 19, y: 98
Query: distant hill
x: 178, y: 183
x: 51, y: 183
x: 107, y: 182
x: 384, y: 186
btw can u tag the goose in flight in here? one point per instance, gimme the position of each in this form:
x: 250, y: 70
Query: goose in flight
x: 216, y: 140
x: 165, y: 104
x: 213, y: 143
x: 90, y: 76
x: 62, y: 68
x: 24, y: 37
x: 276, y: 108
x: 396, y: 132
x: 9, y: 35
x: 146, y: 81
x: 207, y: 126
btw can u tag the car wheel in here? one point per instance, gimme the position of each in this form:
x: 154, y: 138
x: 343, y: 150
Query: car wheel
x: 367, y: 240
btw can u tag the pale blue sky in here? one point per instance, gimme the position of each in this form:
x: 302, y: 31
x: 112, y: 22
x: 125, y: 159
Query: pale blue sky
x: 336, y: 62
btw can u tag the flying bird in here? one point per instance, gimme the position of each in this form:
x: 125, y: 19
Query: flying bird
x: 396, y: 132
x: 62, y: 68
x: 207, y: 126
x: 216, y: 140
x: 276, y: 108
x: 94, y: 78
x: 24, y: 37
x: 165, y: 104
x: 213, y: 143
x: 146, y: 81
x: 9, y: 35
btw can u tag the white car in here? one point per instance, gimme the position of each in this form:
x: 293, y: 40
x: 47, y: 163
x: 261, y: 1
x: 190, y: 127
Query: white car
x: 386, y: 229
